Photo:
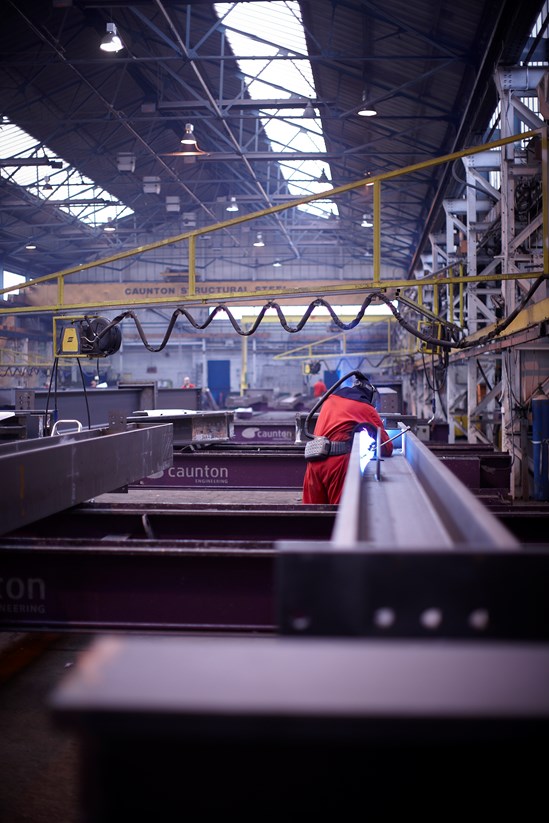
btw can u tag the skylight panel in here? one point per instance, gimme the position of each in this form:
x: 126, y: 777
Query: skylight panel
x: 281, y: 77
x: 11, y: 279
x: 64, y: 187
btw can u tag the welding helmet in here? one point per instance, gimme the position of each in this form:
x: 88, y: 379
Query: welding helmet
x: 362, y: 382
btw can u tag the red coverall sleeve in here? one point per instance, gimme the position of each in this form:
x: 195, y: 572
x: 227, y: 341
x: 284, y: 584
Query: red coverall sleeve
x: 371, y: 416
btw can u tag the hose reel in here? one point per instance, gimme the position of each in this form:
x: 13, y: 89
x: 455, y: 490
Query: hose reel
x: 86, y: 336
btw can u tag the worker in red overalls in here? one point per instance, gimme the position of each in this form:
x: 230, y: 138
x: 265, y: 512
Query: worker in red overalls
x: 319, y: 388
x: 342, y: 414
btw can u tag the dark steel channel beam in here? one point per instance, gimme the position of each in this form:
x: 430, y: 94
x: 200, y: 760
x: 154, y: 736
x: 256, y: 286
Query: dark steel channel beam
x: 140, y: 588
x: 231, y: 469
x: 353, y: 724
x: 234, y: 568
x: 49, y: 474
x: 252, y: 587
x: 73, y: 403
x: 477, y: 465
x: 470, y: 594
x: 482, y: 471
x: 177, y: 523
x: 262, y: 433
x: 528, y: 523
x: 198, y: 567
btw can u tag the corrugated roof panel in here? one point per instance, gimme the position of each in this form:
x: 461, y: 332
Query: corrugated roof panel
x: 427, y: 66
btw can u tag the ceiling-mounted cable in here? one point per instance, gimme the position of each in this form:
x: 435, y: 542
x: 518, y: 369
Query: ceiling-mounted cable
x: 452, y: 340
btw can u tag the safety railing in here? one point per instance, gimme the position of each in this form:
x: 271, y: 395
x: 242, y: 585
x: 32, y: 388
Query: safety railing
x: 450, y: 279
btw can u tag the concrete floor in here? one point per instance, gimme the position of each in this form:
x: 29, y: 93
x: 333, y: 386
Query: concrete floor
x: 244, y: 497
x: 38, y: 763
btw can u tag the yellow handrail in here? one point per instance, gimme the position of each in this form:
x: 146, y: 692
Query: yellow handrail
x: 361, y: 286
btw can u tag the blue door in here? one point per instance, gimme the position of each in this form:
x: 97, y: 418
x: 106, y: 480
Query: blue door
x: 330, y: 377
x: 219, y: 380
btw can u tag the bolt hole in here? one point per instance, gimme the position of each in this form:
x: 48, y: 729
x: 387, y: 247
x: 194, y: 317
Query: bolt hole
x: 479, y: 620
x: 384, y: 618
x: 431, y: 619
x: 301, y: 623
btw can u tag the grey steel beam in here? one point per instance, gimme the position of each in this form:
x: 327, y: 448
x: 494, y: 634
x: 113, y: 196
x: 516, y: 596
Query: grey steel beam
x: 115, y: 581
x: 401, y: 565
x: 190, y: 426
x: 417, y: 503
x: 413, y: 553
x: 464, y: 517
x: 46, y: 475
x: 75, y: 404
x: 383, y: 726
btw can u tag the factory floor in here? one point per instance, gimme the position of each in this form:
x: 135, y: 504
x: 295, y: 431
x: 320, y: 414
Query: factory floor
x: 244, y: 497
x: 38, y: 762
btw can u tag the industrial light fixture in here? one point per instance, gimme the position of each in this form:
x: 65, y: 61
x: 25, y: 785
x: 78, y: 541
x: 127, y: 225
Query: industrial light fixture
x: 151, y: 185
x: 277, y: 264
x: 173, y: 203
x: 47, y: 185
x: 366, y: 110
x: 125, y: 161
x: 188, y: 141
x: 30, y: 246
x: 366, y: 222
x: 233, y: 205
x: 323, y: 177
x: 259, y: 240
x: 188, y: 137
x: 111, y: 41
x: 109, y: 226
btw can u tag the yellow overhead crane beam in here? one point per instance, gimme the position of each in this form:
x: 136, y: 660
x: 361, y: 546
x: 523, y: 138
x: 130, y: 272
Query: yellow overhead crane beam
x: 309, y: 352
x: 533, y: 315
x: 349, y: 288
x: 191, y: 298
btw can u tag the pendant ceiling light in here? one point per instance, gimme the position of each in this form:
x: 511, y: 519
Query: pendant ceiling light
x: 366, y: 110
x: 189, y: 144
x: 111, y: 41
